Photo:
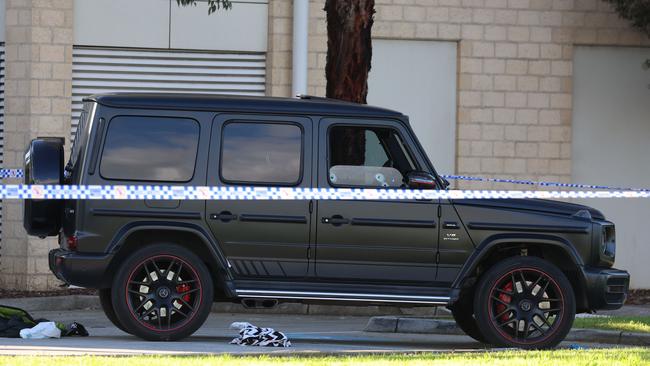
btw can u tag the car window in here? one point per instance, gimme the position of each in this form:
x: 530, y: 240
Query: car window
x: 261, y: 153
x: 150, y: 149
x: 81, y: 135
x: 367, y: 157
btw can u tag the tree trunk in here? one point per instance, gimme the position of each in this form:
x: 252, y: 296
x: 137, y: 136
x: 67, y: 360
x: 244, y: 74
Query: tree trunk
x: 349, y: 48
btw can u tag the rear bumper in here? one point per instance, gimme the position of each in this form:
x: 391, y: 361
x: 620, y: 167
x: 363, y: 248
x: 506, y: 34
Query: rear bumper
x: 83, y: 270
x: 606, y: 288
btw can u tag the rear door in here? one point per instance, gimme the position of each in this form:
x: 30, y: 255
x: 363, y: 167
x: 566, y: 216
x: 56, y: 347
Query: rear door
x: 261, y: 239
x: 382, y: 241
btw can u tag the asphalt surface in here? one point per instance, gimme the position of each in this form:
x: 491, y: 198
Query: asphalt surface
x: 308, y: 334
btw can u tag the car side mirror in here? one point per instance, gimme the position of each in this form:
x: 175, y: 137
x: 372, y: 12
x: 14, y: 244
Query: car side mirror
x: 420, y: 180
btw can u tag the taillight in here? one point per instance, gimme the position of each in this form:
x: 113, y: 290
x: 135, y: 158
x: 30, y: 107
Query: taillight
x: 72, y: 242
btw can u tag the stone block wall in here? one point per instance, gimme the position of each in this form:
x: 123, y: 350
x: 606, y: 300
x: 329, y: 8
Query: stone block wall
x: 38, y: 89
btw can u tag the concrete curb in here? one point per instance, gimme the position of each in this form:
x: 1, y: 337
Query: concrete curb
x: 609, y: 337
x: 54, y: 303
x: 395, y: 324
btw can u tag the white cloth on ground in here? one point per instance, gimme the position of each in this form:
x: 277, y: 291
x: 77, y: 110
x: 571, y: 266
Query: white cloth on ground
x: 41, y: 331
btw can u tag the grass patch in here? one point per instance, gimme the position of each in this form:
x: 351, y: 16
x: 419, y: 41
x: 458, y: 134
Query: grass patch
x: 608, y: 357
x: 638, y: 324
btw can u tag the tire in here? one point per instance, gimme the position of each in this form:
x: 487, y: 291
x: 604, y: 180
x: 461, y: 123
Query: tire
x: 524, y: 302
x: 44, y: 165
x: 463, y: 313
x: 107, y: 306
x: 162, y: 292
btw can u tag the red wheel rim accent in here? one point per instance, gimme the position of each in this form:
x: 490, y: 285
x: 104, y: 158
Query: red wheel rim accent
x: 526, y: 306
x: 157, y: 293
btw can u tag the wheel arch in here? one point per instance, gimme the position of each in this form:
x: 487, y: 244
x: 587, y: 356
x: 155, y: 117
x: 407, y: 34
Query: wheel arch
x: 554, y: 249
x: 191, y: 237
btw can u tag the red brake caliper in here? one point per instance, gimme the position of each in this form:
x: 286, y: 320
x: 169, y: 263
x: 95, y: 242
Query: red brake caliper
x: 505, y: 298
x: 184, y: 288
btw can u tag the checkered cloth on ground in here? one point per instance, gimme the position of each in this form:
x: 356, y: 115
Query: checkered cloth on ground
x: 250, y: 335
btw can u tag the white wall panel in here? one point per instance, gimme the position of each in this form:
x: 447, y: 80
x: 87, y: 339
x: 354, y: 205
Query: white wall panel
x: 242, y: 28
x: 3, y: 5
x: 418, y: 78
x: 611, y: 143
x: 122, y: 23
x: 164, y: 24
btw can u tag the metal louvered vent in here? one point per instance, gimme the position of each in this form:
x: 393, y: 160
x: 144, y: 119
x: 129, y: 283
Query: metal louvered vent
x: 107, y: 70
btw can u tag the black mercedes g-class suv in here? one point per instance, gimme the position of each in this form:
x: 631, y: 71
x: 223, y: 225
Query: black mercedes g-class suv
x: 513, y: 272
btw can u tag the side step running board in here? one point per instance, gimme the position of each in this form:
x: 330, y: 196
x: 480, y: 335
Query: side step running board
x: 337, y: 296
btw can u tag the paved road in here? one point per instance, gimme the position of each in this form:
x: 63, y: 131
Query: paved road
x: 308, y: 334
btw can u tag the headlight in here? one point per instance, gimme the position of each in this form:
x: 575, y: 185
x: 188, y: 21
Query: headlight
x: 608, y: 245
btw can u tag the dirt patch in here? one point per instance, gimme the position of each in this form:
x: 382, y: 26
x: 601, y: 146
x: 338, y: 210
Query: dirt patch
x: 12, y: 294
x: 638, y: 297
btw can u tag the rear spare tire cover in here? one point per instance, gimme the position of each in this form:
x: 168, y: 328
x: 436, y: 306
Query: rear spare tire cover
x: 43, y: 165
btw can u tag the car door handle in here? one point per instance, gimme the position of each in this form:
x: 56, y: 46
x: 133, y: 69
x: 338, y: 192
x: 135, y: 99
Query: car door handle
x: 224, y: 216
x: 451, y: 225
x: 335, y: 220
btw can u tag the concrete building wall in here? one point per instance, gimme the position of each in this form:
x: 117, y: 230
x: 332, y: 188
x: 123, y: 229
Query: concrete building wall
x: 515, y: 84
x: 515, y: 78
x: 515, y: 71
x: 37, y: 103
x: 40, y: 35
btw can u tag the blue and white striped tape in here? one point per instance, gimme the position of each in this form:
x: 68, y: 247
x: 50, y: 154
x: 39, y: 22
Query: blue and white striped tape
x: 11, y: 173
x: 541, y: 184
x: 168, y: 192
x: 164, y: 192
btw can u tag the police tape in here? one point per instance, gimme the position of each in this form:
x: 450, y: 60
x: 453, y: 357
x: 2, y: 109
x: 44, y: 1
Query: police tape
x: 11, y: 173
x: 19, y: 173
x: 167, y: 192
x: 541, y: 184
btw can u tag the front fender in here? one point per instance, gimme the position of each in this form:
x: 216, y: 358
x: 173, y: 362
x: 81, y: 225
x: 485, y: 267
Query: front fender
x: 485, y: 248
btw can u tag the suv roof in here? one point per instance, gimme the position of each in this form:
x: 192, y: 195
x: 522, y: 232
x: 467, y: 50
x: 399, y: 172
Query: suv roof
x: 303, y: 104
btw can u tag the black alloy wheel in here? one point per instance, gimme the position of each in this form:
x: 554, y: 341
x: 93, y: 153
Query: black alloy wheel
x: 163, y: 292
x: 525, y: 302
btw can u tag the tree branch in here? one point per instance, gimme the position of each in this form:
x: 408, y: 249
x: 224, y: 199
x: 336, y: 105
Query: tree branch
x: 213, y: 5
x: 636, y: 11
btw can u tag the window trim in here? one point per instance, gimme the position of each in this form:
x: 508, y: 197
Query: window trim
x: 105, y: 140
x: 262, y: 183
x: 365, y: 126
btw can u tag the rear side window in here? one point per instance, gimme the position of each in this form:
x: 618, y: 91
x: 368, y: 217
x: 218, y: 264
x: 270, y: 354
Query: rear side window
x: 261, y: 153
x: 150, y: 149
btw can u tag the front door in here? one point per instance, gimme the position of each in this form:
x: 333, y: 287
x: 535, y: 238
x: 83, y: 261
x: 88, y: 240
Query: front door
x: 261, y: 239
x: 372, y: 241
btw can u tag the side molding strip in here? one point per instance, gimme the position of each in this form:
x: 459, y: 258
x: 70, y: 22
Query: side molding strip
x: 339, y: 296
x: 528, y: 227
x: 393, y: 223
